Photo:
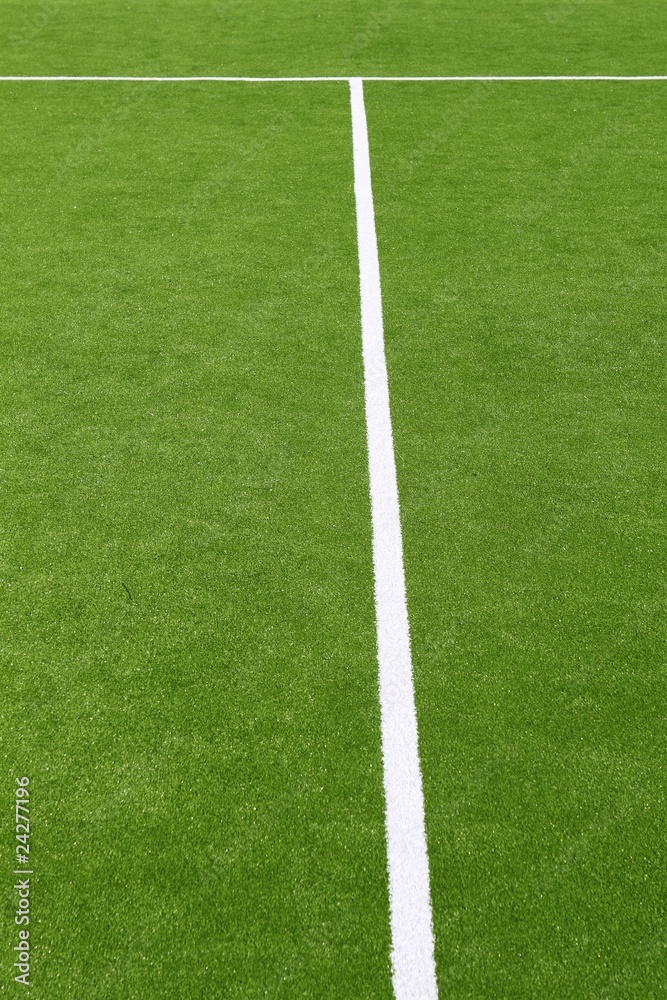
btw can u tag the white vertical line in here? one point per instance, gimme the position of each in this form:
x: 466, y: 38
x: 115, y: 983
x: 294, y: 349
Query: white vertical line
x: 413, y: 963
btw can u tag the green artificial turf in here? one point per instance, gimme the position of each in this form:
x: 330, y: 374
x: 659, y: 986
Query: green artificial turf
x: 348, y: 37
x: 182, y: 419
x: 187, y: 632
x: 521, y: 234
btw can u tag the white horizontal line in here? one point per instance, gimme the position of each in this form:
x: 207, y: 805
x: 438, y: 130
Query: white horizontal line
x: 501, y: 79
x: 174, y: 79
x: 317, y: 79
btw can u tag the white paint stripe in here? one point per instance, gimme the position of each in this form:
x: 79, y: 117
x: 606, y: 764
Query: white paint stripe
x: 412, y: 957
x: 315, y: 79
x: 174, y: 79
x: 503, y: 79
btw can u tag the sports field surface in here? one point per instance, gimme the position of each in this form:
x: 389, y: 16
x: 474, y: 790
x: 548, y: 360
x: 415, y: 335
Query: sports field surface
x: 333, y: 542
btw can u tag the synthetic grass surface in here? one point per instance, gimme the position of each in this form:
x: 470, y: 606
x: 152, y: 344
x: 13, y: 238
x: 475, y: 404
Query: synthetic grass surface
x: 183, y: 417
x: 332, y: 37
x: 521, y: 237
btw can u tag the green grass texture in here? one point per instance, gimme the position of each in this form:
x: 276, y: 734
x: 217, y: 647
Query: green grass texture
x: 183, y: 417
x: 521, y: 235
x: 187, y: 631
x: 332, y: 37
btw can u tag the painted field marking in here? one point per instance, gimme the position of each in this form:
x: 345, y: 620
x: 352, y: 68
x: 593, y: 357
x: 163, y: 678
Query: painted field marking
x: 318, y: 79
x: 413, y: 963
